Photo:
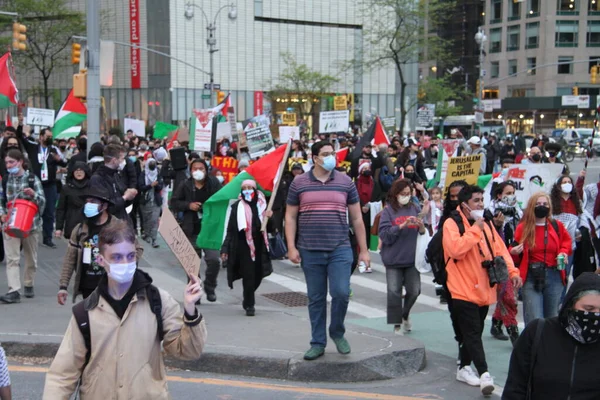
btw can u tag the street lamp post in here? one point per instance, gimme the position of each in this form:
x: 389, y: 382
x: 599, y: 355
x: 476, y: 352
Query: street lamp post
x: 480, y: 38
x: 211, y: 40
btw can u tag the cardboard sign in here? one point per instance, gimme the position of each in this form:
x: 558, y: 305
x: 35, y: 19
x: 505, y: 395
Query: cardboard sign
x: 179, y: 244
x: 138, y: 126
x: 40, y: 116
x: 227, y: 165
x: 463, y: 168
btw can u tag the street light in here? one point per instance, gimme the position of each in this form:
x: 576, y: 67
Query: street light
x: 480, y: 38
x: 211, y: 40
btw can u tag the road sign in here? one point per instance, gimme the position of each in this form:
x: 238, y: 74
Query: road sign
x: 216, y: 86
x: 483, y: 72
x: 206, y: 96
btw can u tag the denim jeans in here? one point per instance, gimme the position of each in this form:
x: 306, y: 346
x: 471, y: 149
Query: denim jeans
x: 568, y: 269
x: 397, y: 278
x: 51, y: 195
x: 318, y: 266
x: 543, y: 304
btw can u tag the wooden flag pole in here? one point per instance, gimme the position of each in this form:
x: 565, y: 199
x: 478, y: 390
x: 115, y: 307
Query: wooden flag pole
x: 276, y: 187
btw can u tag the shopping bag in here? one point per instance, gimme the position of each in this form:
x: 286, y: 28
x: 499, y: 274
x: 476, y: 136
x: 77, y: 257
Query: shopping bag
x: 277, y: 249
x: 420, y: 263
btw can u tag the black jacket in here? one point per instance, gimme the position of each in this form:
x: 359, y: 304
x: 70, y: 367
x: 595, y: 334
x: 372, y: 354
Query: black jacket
x: 493, y: 151
x: 183, y: 196
x: 584, y: 259
x: 79, y: 157
x: 143, y: 188
x: 564, y: 368
x: 110, y: 180
x: 70, y: 203
x: 33, y: 150
x: 404, y: 159
x: 129, y: 176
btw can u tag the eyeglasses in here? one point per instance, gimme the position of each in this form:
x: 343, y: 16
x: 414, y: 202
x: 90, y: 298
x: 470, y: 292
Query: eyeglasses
x: 332, y: 153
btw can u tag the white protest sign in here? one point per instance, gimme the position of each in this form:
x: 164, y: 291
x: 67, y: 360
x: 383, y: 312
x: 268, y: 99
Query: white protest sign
x: 138, y: 126
x: 334, y: 121
x: 287, y: 132
x: 40, y: 116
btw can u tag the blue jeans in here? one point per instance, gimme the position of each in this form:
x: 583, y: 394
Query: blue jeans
x: 317, y: 267
x: 568, y: 269
x: 542, y: 304
x: 51, y: 196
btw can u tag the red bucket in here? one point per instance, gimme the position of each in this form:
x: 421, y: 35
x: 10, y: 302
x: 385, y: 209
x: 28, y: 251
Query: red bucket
x: 21, y: 214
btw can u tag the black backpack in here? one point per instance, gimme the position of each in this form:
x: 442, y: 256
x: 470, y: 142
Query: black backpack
x: 82, y: 318
x: 434, y: 254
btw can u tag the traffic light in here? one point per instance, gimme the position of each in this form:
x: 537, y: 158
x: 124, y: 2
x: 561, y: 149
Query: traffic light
x: 575, y: 91
x: 19, y: 37
x: 75, y: 53
x: 594, y: 74
x: 220, y: 97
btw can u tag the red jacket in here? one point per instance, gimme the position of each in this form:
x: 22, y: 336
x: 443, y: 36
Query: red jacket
x: 563, y: 239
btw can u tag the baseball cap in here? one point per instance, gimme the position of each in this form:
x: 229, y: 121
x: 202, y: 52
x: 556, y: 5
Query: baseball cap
x: 474, y: 140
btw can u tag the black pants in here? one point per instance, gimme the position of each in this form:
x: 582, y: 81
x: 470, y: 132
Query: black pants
x: 455, y: 326
x: 251, y: 271
x: 471, y: 320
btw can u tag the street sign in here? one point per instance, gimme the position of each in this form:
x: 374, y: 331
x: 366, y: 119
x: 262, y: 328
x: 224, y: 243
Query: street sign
x: 483, y: 72
x: 206, y: 97
x: 478, y: 117
x: 216, y: 86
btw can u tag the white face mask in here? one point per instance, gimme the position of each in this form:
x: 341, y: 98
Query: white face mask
x: 220, y: 178
x: 476, y: 214
x: 566, y: 187
x: 122, y: 165
x: 122, y: 273
x: 198, y: 175
x: 403, y: 200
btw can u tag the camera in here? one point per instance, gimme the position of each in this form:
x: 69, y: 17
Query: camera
x: 487, y: 264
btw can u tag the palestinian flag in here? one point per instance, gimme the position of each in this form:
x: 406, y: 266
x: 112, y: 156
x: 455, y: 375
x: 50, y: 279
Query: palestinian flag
x: 216, y: 209
x: 203, y: 127
x: 8, y: 120
x: 73, y: 112
x: 375, y: 135
x: 9, y: 95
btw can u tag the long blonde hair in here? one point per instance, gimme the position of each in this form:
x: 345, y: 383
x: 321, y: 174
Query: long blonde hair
x: 528, y: 219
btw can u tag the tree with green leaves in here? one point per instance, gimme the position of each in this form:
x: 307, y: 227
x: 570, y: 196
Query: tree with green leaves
x: 445, y: 94
x: 301, y: 87
x: 50, y: 25
x: 398, y: 33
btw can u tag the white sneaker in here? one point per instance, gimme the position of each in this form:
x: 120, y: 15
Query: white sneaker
x: 369, y: 270
x: 468, y: 376
x: 487, y: 384
x: 407, y: 326
x: 398, y: 330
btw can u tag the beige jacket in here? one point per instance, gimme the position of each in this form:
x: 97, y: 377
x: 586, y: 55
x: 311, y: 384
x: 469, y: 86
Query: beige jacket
x: 126, y: 362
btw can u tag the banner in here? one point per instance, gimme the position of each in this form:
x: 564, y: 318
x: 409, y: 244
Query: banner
x: 425, y: 116
x: 203, y: 123
x: 227, y: 165
x: 288, y: 132
x: 463, y: 168
x: 259, y: 140
x: 138, y: 126
x: 258, y: 103
x: 134, y: 38
x: 446, y: 149
x: 334, y: 121
x: 389, y: 124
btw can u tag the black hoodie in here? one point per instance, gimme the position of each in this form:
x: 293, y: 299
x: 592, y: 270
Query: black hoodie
x: 564, y: 368
x: 70, y: 203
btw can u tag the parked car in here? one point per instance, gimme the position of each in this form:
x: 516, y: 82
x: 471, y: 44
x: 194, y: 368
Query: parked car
x: 578, y: 135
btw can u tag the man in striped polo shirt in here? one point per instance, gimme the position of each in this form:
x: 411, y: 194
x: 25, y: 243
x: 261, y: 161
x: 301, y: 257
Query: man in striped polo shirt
x: 317, y: 232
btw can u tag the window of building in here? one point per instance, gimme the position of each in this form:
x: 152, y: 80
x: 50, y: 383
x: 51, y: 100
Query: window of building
x: 593, y: 34
x: 533, y: 8
x: 496, y: 12
x: 521, y: 92
x: 565, y: 65
x: 513, y: 37
x: 494, y: 69
x: 514, y: 11
x: 567, y: 33
x: 594, y: 7
x: 491, y: 94
x: 568, y: 7
x: 496, y: 40
x: 531, y: 64
x: 512, y: 67
x: 532, y: 33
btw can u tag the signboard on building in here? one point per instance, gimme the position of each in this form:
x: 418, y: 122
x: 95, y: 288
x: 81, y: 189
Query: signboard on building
x: 258, y: 103
x: 579, y: 101
x: 340, y: 103
x: 334, y: 121
x: 425, y: 116
x: 134, y: 37
x: 289, y: 119
x: 491, y: 105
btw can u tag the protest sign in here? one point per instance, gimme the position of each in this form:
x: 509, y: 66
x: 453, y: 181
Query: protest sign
x: 40, y: 116
x: 259, y: 141
x: 463, y: 168
x: 138, y: 126
x: 227, y: 165
x: 334, y: 121
x: 288, y: 132
x: 389, y: 124
x: 203, y: 129
x: 446, y: 149
x: 224, y: 131
x: 289, y: 119
x: 179, y: 244
x: 425, y: 117
x: 340, y: 103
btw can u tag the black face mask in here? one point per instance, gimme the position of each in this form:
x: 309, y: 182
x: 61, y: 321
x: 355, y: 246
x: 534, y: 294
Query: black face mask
x: 409, y: 175
x: 152, y: 167
x: 63, y: 148
x: 11, y: 147
x: 151, y: 148
x: 551, y: 155
x: 452, y: 204
x: 48, y: 141
x: 366, y: 173
x: 536, y: 157
x: 541, y: 211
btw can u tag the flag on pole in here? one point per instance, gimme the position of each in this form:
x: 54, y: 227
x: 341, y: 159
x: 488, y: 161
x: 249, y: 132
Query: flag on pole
x: 162, y: 130
x: 72, y: 112
x: 8, y: 121
x: 341, y: 155
x: 375, y: 135
x: 9, y: 95
x: 216, y: 208
x: 174, y: 138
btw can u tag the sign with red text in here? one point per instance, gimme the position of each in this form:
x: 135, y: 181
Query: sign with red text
x: 258, y: 103
x: 134, y: 38
x: 227, y: 165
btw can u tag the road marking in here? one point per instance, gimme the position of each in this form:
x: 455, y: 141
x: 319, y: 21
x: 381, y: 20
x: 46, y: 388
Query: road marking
x: 257, y: 386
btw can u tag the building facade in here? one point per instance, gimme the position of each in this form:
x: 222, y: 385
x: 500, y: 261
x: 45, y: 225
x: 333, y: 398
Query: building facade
x: 157, y: 88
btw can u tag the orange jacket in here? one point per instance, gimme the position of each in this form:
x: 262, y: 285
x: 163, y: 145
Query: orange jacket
x: 467, y: 279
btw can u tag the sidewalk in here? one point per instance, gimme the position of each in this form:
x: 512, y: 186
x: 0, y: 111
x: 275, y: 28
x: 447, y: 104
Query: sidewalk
x: 269, y: 345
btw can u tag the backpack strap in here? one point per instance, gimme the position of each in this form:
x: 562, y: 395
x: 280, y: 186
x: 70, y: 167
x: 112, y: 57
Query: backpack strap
x: 83, y: 322
x: 534, y: 349
x: 31, y: 180
x: 555, y: 226
x: 156, y: 307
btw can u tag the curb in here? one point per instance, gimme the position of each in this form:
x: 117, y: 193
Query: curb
x: 399, y: 361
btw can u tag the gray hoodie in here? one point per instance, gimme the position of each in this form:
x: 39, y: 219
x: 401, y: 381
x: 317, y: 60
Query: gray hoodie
x: 398, y: 246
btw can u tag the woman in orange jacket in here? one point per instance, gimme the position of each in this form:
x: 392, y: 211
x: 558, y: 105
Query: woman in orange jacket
x: 541, y: 249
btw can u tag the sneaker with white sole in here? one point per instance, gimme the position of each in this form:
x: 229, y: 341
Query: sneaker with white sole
x: 406, y: 324
x: 468, y: 376
x: 398, y: 330
x: 486, y: 384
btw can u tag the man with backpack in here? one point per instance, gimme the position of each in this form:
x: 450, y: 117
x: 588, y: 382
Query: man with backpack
x: 473, y: 257
x: 112, y: 346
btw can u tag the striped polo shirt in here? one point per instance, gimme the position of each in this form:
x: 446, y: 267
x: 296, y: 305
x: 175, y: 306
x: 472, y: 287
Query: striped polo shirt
x: 322, y: 213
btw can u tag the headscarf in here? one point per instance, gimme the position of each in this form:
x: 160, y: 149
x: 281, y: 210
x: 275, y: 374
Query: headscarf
x: 160, y: 154
x: 244, y: 216
x: 151, y: 176
x: 74, y: 182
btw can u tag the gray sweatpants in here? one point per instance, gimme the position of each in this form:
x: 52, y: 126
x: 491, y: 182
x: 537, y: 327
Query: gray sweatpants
x: 150, y: 215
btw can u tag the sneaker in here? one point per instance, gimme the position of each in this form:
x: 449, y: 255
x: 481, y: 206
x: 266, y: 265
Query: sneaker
x: 10, y: 298
x: 407, y: 325
x: 49, y: 243
x: 29, y: 292
x: 342, y: 345
x: 368, y: 270
x: 487, y: 384
x: 398, y: 330
x: 313, y: 353
x: 211, y: 297
x: 155, y: 245
x: 468, y: 376
x: 250, y: 312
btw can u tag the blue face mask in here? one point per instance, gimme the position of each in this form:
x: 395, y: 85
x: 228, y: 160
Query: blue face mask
x: 248, y: 194
x: 133, y: 158
x: 329, y: 163
x: 90, y: 210
x: 13, y: 170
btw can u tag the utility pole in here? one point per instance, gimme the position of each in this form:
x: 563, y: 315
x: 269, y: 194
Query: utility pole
x: 93, y: 72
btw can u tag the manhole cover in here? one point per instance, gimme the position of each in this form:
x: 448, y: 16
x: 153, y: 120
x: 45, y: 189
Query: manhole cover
x: 289, y: 299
